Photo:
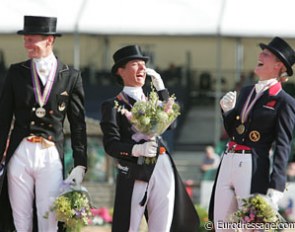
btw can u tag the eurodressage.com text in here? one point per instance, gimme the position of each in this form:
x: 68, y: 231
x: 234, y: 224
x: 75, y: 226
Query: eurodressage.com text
x: 258, y: 225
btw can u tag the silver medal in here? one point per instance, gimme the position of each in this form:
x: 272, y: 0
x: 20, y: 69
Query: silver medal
x: 40, y: 112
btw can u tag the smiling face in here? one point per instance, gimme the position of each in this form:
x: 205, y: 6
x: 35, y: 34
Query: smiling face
x: 269, y: 66
x: 38, y: 46
x: 133, y: 73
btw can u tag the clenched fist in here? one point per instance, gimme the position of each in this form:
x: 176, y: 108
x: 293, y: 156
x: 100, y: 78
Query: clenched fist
x: 228, y: 101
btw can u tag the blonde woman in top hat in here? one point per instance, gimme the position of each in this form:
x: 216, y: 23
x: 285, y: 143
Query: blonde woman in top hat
x: 153, y: 189
x: 261, y: 119
x: 38, y: 93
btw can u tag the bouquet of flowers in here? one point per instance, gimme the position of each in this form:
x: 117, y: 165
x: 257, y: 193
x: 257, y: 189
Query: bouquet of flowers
x: 257, y: 209
x: 151, y: 117
x: 73, y: 207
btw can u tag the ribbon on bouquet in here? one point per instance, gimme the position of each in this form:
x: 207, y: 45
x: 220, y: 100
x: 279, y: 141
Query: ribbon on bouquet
x: 137, y: 136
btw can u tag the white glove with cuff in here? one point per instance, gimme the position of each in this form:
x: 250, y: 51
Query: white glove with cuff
x: 76, y: 176
x: 147, y: 149
x: 228, y: 101
x: 156, y: 79
x: 275, y: 196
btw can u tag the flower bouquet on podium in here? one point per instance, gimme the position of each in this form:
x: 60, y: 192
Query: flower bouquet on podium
x: 257, y: 211
x: 151, y: 117
x: 73, y: 207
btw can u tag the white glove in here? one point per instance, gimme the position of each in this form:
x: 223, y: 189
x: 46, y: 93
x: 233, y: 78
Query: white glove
x: 275, y: 196
x: 156, y: 79
x: 147, y: 149
x: 228, y: 101
x: 76, y: 176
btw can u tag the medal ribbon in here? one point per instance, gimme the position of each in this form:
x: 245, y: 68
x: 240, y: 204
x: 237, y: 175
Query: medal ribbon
x: 247, y: 107
x: 40, y: 97
x: 123, y: 97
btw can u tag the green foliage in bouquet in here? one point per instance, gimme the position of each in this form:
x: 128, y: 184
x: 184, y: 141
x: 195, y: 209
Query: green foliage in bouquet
x: 153, y: 116
x: 72, y: 208
x: 256, y: 209
x: 203, y: 215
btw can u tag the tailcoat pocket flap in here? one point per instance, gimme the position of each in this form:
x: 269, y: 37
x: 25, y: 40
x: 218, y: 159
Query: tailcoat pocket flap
x: 270, y: 105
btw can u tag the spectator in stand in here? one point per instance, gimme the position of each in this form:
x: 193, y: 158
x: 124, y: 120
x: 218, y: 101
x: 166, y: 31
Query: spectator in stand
x: 291, y: 172
x: 211, y: 159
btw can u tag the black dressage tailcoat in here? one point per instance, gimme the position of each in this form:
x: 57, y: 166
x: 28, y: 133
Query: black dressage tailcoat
x: 118, y: 143
x: 270, y: 124
x: 18, y: 105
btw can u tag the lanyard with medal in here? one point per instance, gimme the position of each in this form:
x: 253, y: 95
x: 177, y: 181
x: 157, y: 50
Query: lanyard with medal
x: 40, y: 97
x: 247, y: 108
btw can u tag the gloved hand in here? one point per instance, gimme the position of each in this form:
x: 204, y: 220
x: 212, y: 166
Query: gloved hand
x: 275, y: 196
x: 147, y: 149
x: 76, y: 176
x: 228, y: 101
x: 156, y: 79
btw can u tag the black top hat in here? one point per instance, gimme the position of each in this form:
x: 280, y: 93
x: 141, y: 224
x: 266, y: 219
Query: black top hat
x: 39, y: 25
x: 283, y: 51
x: 125, y: 54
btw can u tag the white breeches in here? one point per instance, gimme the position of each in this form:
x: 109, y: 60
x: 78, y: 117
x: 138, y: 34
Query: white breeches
x: 233, y: 183
x: 160, y: 198
x: 34, y: 173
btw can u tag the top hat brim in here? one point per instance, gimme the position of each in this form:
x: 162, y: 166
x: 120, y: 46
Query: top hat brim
x: 23, y: 32
x: 280, y: 56
x: 125, y: 60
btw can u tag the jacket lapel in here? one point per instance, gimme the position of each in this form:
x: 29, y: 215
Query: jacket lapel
x: 126, y: 100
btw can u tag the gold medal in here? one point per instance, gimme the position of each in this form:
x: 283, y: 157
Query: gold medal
x: 240, y: 129
x: 40, y: 112
x: 254, y: 136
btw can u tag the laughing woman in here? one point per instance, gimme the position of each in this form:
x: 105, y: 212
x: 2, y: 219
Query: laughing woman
x: 261, y: 119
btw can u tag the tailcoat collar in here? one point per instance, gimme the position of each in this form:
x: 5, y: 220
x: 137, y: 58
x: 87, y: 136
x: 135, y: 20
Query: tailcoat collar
x: 60, y: 66
x: 275, y: 89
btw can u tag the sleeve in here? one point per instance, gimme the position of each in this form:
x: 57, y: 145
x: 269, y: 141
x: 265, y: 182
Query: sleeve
x: 76, y: 117
x: 284, y: 135
x: 116, y: 139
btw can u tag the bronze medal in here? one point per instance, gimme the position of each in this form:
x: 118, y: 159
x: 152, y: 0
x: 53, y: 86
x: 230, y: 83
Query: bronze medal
x: 254, y: 136
x: 40, y: 112
x: 240, y: 129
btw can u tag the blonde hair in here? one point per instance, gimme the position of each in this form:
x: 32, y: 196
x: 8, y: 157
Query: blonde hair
x: 283, y: 77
